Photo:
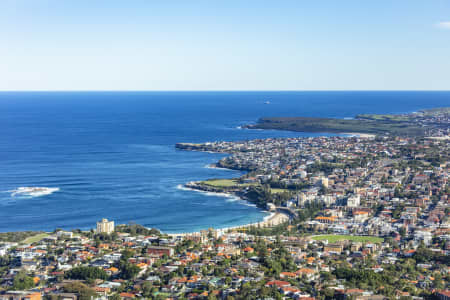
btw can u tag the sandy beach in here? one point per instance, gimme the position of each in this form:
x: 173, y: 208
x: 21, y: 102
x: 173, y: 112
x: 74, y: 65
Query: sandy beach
x: 273, y: 219
x: 441, y: 138
x: 361, y: 135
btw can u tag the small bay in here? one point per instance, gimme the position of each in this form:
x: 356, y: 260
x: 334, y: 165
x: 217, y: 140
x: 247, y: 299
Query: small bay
x: 112, y: 154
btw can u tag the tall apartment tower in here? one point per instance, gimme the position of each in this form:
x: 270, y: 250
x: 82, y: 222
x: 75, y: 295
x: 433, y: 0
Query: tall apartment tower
x: 325, y: 182
x: 105, y: 226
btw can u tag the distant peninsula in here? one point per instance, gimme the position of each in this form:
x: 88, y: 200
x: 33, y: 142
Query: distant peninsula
x: 431, y: 122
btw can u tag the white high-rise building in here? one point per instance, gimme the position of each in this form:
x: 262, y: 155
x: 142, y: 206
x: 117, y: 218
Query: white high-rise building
x: 105, y: 226
x: 353, y: 201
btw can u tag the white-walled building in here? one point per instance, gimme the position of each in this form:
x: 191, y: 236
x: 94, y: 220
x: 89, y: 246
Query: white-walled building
x: 353, y: 201
x: 105, y: 226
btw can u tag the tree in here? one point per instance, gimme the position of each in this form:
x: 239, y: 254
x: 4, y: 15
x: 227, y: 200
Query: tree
x: 136, y: 229
x: 246, y: 290
x: 84, y: 292
x: 147, y: 289
x: 22, y: 282
x: 85, y: 273
x: 128, y: 271
x: 211, y: 296
x: 115, y: 297
x: 437, y: 282
x: 402, y: 231
x: 228, y: 280
x: 126, y: 254
x: 328, y: 293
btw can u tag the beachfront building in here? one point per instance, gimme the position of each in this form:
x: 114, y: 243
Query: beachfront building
x: 105, y: 226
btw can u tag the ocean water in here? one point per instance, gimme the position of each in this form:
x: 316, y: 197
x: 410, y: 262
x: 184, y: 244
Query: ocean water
x: 111, y: 154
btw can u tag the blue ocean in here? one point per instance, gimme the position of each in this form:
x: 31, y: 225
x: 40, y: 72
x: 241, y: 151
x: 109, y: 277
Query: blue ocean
x: 112, y: 155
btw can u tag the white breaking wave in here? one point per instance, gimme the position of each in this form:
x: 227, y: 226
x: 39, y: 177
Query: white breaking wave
x: 183, y: 188
x: 269, y: 216
x: 243, y: 202
x: 33, y: 191
x: 212, y: 166
x: 231, y: 198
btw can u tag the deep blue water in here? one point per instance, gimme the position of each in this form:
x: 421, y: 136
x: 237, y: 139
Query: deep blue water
x: 112, y: 153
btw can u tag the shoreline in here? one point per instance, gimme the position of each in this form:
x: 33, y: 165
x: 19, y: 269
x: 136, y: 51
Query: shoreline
x: 214, y: 166
x: 360, y: 135
x: 270, y: 220
x: 275, y: 218
x: 439, y: 138
x: 226, y: 195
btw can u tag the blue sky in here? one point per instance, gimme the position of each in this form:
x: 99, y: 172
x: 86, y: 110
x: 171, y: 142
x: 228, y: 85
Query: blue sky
x: 224, y: 45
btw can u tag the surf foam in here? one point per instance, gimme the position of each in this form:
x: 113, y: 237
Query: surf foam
x: 33, y: 191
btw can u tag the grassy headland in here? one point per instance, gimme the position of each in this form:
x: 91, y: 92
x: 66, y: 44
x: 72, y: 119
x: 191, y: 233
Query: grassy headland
x: 23, y: 237
x: 413, y: 124
x: 35, y: 238
x: 371, y: 126
x: 234, y: 183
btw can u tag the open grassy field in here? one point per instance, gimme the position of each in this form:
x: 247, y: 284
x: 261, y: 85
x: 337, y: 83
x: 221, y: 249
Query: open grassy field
x: 224, y: 183
x: 278, y: 191
x: 354, y: 238
x: 35, y: 238
x: 221, y: 182
x: 227, y: 183
x: 376, y: 117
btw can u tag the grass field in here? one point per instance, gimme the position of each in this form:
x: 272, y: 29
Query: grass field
x: 221, y: 182
x: 278, y: 191
x: 34, y: 238
x: 395, y: 118
x: 354, y: 238
x: 226, y: 183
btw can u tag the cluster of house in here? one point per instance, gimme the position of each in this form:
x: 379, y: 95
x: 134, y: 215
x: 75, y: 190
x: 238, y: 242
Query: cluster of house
x: 370, y: 186
x: 393, y: 189
x: 197, y: 266
x: 438, y: 121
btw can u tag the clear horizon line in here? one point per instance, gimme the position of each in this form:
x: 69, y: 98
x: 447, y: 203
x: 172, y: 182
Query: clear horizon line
x: 231, y: 91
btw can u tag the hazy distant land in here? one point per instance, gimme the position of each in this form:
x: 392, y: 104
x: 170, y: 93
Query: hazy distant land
x: 425, y: 122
